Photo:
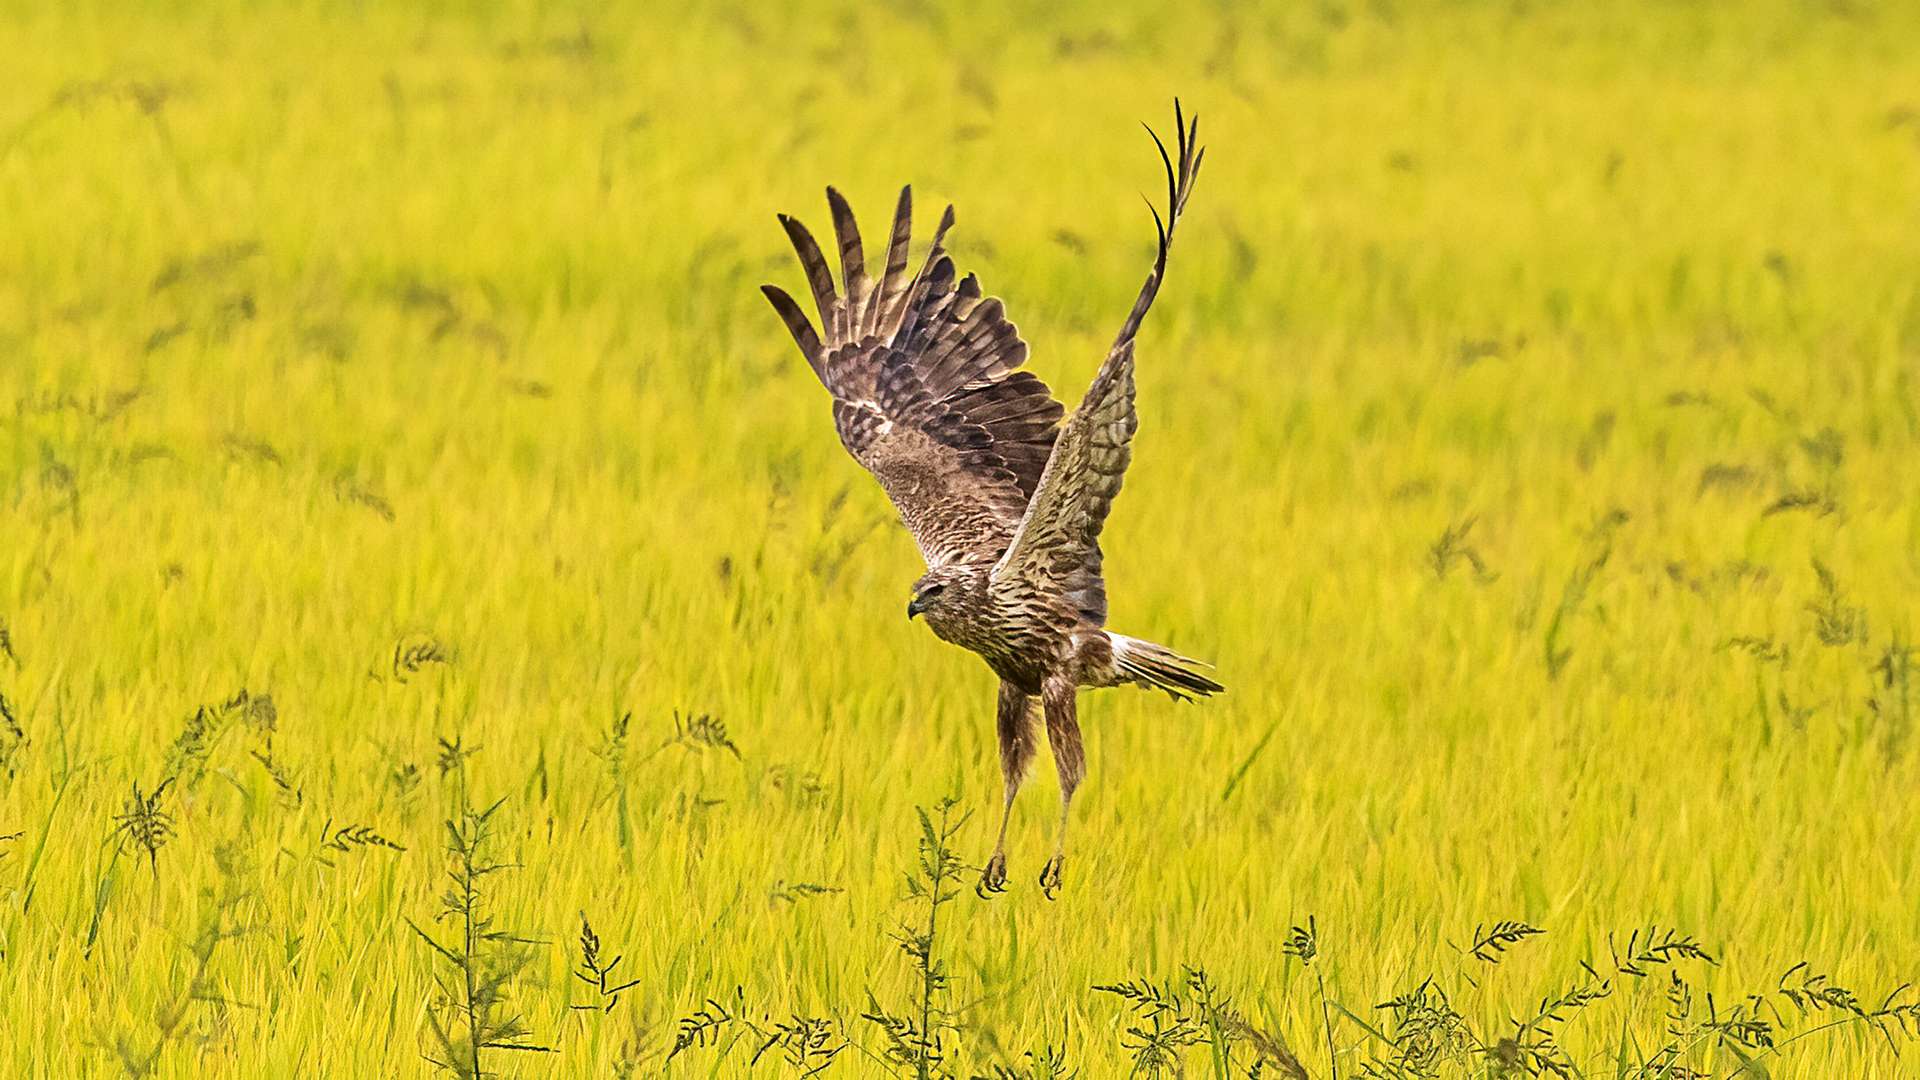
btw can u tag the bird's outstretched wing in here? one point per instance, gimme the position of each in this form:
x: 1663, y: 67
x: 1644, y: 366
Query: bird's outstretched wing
x: 926, y: 388
x: 1059, y: 538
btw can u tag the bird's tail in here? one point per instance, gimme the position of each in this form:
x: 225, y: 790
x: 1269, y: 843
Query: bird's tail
x: 1157, y: 667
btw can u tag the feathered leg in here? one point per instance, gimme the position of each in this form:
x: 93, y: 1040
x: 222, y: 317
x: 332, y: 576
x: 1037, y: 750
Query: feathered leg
x: 1069, y: 757
x: 1015, y: 715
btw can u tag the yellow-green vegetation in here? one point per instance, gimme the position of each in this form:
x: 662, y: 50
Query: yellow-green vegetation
x: 407, y: 489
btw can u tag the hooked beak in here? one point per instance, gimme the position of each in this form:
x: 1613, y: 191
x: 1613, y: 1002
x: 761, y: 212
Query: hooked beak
x: 914, y: 607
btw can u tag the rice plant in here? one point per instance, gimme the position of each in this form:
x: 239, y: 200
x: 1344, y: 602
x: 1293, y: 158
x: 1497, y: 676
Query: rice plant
x: 440, y: 634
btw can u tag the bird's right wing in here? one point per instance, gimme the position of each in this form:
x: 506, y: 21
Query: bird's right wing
x: 926, y: 388
x: 1059, y: 537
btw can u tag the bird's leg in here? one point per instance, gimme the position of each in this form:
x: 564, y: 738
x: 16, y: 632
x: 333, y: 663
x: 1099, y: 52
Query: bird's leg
x: 1069, y: 757
x: 1015, y: 721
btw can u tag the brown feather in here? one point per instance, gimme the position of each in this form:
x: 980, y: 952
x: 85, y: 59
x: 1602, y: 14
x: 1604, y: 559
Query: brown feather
x: 908, y: 363
x: 891, y: 297
x: 819, y: 278
x: 853, y: 265
x: 797, y: 325
x: 1059, y: 536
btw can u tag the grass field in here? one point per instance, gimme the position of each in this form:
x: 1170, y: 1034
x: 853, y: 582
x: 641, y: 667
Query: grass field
x: 1530, y: 429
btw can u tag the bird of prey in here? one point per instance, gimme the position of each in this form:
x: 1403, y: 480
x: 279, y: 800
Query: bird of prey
x: 1005, y: 502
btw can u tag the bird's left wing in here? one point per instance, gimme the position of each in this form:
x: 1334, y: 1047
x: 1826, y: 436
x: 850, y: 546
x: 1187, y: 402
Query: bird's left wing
x: 927, y: 391
x: 1059, y: 537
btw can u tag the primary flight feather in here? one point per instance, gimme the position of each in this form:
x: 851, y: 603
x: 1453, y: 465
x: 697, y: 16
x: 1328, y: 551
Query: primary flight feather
x: 1005, y: 502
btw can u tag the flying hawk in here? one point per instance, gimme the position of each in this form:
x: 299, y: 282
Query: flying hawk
x: 1004, y: 501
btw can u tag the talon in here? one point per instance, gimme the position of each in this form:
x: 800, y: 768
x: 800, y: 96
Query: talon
x: 993, y: 878
x: 1050, y: 875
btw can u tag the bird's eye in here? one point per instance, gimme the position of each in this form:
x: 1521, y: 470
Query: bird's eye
x: 931, y: 590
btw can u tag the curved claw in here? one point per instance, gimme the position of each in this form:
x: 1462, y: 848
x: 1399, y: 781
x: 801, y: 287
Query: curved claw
x: 993, y: 878
x: 1051, y: 874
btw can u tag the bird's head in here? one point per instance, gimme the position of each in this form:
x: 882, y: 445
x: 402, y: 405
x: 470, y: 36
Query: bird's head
x: 939, y: 589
